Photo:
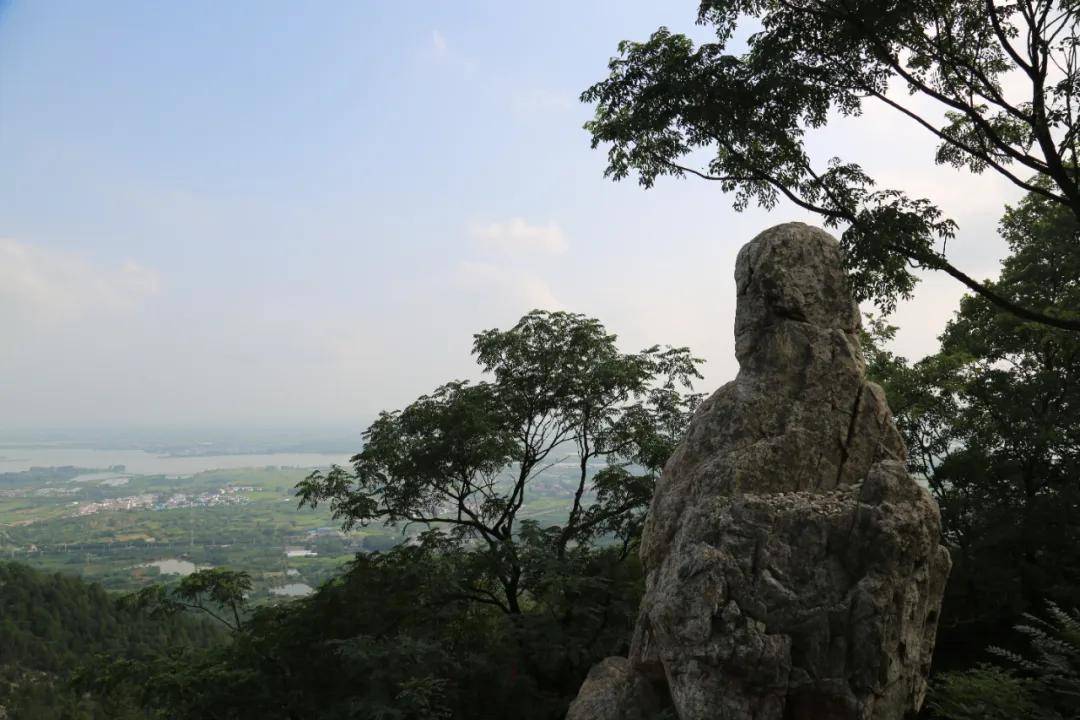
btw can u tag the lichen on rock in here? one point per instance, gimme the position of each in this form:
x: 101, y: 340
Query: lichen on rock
x: 794, y: 569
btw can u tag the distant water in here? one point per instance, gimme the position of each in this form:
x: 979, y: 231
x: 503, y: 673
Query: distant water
x: 292, y: 590
x: 140, y: 462
x: 101, y: 478
x: 172, y: 566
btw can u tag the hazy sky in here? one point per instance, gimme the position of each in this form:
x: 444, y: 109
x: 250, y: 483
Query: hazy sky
x: 296, y: 214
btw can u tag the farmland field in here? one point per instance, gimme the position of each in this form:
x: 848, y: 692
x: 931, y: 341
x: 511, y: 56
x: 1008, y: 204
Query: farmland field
x: 127, y: 530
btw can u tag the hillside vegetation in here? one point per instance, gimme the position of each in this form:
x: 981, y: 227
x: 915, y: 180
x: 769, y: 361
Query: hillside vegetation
x: 52, y: 625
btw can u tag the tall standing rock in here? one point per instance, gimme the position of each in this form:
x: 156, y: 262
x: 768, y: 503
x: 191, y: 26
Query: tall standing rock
x: 793, y: 568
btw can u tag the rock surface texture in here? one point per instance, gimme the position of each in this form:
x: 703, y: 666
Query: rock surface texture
x: 793, y: 568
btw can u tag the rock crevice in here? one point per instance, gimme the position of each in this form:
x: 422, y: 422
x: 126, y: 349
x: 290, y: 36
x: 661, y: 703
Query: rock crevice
x: 793, y: 568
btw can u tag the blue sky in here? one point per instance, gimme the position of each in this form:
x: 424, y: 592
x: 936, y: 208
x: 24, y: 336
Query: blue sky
x: 296, y: 214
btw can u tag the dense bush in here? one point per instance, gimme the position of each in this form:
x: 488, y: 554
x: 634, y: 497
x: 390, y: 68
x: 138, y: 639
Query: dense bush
x: 392, y: 638
x: 1041, y: 682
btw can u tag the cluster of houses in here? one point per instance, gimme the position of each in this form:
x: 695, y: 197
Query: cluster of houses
x: 229, y: 495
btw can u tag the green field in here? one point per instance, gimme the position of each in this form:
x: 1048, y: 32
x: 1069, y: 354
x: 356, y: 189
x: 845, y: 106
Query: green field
x: 56, y: 519
x: 40, y: 524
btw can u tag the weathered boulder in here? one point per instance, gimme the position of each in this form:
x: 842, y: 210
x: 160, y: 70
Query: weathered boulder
x: 793, y: 568
x: 613, y: 691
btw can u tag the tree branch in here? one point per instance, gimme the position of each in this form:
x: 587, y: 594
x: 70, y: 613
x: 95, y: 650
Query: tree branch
x: 999, y: 300
x: 1003, y: 38
x: 933, y: 262
x: 1030, y: 187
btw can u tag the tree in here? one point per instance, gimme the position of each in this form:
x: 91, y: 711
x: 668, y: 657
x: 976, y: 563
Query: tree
x: 992, y: 421
x: 380, y: 640
x: 665, y: 100
x: 465, y: 457
x: 485, y: 613
x: 56, y: 630
x: 216, y: 592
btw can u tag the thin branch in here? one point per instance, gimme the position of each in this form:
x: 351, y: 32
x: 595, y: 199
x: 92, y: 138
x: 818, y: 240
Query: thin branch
x: 988, y: 131
x: 994, y: 297
x: 208, y: 611
x: 1003, y: 38
x: 934, y: 262
x: 801, y: 202
x: 1030, y: 187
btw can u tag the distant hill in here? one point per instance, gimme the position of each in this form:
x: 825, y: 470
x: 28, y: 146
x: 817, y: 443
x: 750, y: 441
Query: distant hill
x: 51, y: 624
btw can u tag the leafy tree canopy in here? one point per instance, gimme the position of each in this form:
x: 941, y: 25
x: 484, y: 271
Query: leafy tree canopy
x: 53, y: 627
x: 216, y: 592
x: 992, y: 421
x: 463, y: 457
x: 391, y: 638
x: 667, y: 103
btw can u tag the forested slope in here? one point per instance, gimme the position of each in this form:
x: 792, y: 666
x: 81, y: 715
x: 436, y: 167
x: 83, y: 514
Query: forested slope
x: 51, y: 625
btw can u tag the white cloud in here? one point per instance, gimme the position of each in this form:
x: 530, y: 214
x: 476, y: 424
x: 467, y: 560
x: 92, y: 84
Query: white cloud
x: 438, y: 42
x: 42, y: 285
x: 516, y: 236
x: 440, y: 52
x: 508, y: 286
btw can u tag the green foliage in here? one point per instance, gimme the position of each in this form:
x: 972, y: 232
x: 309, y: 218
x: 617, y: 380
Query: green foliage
x: 992, y: 423
x: 464, y: 457
x: 393, y: 638
x: 666, y: 100
x: 217, y: 592
x: 53, y: 625
x: 985, y: 692
x: 117, y: 548
x: 1053, y: 660
x: 1043, y: 683
x: 485, y: 613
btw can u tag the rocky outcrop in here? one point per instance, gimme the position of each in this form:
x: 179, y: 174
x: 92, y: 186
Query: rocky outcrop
x: 793, y: 568
x: 614, y: 691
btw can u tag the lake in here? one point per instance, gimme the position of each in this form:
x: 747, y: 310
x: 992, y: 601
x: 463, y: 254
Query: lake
x: 140, y: 462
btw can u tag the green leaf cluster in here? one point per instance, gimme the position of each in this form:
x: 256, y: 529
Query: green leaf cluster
x: 1042, y: 683
x: 670, y: 107
x: 464, y: 457
x: 992, y: 422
